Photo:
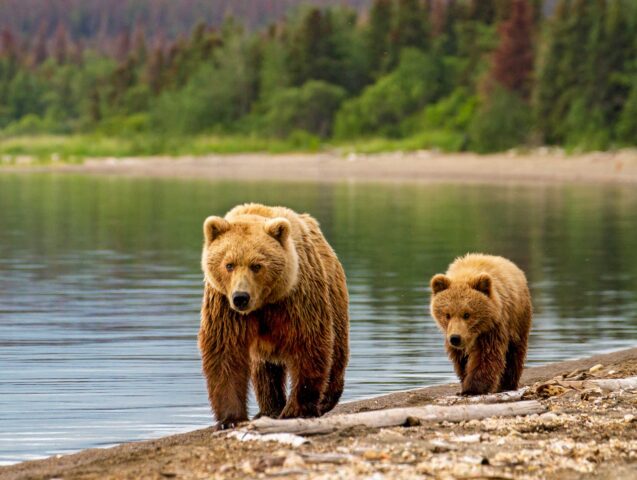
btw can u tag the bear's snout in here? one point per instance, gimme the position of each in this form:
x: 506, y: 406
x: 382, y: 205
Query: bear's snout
x: 455, y: 340
x: 241, y: 300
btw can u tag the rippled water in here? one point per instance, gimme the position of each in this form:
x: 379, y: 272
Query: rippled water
x: 100, y: 290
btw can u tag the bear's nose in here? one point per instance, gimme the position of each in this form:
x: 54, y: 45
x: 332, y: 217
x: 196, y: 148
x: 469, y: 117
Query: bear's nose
x: 455, y: 340
x: 241, y: 300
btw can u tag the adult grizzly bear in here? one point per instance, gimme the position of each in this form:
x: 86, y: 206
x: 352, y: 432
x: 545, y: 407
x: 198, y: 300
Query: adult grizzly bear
x: 275, y: 303
x: 483, y: 306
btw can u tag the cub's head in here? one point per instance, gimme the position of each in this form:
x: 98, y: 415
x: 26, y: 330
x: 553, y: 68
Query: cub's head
x: 463, y: 309
x: 251, y: 260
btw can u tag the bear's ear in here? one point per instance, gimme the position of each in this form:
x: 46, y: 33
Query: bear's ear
x: 439, y: 283
x: 482, y: 283
x: 279, y: 229
x: 213, y: 227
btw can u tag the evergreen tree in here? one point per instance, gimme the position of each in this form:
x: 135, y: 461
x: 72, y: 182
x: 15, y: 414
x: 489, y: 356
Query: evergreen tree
x: 39, y: 53
x: 154, y: 71
x: 411, y: 28
x: 377, y: 41
x: 60, y: 44
x: 513, y: 59
x: 484, y: 10
x: 8, y: 45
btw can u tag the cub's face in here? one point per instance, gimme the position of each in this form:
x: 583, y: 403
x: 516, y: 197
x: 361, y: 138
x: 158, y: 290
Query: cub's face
x: 251, y: 261
x: 463, y: 310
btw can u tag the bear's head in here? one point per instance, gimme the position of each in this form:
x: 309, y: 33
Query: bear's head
x: 463, y: 309
x: 251, y: 260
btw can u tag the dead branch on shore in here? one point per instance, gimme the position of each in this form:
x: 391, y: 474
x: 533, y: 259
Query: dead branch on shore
x: 613, y: 384
x: 396, y: 417
x: 557, y: 386
x: 502, y: 397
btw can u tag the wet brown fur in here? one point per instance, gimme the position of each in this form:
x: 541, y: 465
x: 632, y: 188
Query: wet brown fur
x: 494, y: 293
x: 297, y: 323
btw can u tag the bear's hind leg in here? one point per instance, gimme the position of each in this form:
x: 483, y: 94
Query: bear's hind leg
x: 268, y: 380
x: 335, y: 384
x: 516, y: 353
x: 309, y: 372
x: 336, y: 381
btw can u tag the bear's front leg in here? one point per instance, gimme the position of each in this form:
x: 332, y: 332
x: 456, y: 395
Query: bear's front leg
x: 268, y: 380
x: 459, y: 360
x: 484, y: 368
x: 309, y: 378
x: 227, y: 372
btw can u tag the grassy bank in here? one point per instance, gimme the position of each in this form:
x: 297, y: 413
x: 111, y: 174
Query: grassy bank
x: 74, y: 148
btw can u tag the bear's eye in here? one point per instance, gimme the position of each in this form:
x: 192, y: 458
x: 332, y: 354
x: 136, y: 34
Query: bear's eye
x: 255, y: 267
x: 466, y: 315
x: 448, y: 316
x: 230, y: 267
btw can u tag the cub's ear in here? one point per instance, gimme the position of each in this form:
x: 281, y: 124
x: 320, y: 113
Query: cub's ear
x: 482, y: 283
x: 439, y: 283
x: 213, y: 227
x: 279, y: 229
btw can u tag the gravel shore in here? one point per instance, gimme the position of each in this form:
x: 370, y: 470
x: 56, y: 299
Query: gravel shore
x: 584, y: 433
x: 538, y: 166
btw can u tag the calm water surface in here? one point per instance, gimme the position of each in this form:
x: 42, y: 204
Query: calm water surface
x: 100, y: 289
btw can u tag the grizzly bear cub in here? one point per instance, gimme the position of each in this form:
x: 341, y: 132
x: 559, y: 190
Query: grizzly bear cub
x: 275, y: 304
x: 483, y: 306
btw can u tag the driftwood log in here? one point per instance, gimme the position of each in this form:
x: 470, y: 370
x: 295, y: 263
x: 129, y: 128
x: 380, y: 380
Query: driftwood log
x: 502, y: 397
x: 396, y: 417
x: 611, y: 384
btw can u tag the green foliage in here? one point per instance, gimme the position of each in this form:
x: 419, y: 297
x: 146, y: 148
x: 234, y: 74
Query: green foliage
x: 418, y: 80
x: 406, y: 75
x: 627, y: 124
x: 217, y: 95
x: 377, y: 36
x: 310, y: 108
x: 453, y: 112
x: 585, y: 128
x: 502, y: 122
x: 323, y: 45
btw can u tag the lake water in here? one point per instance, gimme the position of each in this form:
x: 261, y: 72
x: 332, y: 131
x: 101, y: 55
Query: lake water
x: 100, y: 290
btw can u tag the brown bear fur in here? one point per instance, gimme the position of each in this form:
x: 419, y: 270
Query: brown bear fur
x: 296, y: 322
x: 484, y: 300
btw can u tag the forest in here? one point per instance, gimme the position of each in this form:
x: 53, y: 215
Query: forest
x: 454, y: 75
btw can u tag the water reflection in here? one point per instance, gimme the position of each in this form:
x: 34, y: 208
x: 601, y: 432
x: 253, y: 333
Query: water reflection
x: 100, y: 289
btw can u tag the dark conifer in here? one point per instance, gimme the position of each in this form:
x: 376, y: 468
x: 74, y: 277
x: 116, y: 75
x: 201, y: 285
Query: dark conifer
x: 513, y: 59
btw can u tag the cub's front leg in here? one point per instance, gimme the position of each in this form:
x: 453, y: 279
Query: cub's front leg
x: 484, y: 369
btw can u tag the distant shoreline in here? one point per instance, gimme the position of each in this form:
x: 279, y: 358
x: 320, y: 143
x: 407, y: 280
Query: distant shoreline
x: 535, y: 167
x: 151, y: 458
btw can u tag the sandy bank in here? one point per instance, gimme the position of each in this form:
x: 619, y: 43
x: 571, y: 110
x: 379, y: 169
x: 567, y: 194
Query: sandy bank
x: 540, y: 166
x: 586, y: 434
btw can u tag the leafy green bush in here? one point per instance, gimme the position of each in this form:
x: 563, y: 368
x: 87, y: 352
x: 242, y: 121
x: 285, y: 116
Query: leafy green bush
x: 216, y: 95
x: 502, y: 122
x: 28, y: 125
x: 585, y: 128
x: 124, y: 126
x: 627, y: 124
x: 418, y: 80
x: 310, y: 107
